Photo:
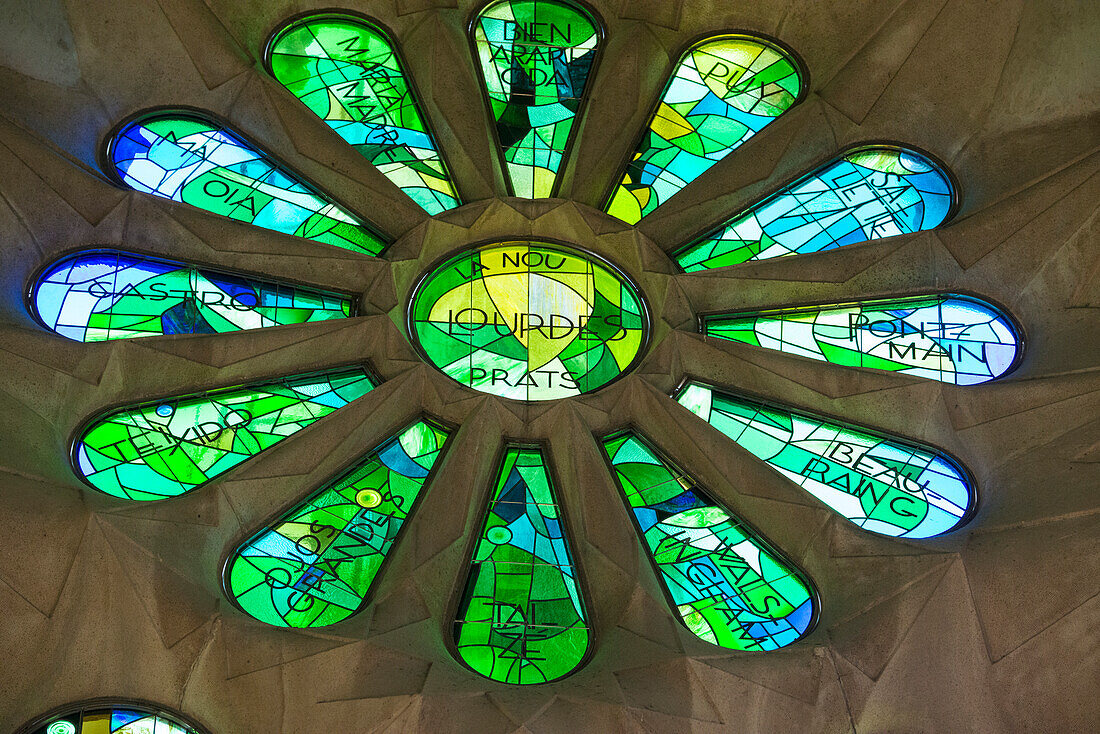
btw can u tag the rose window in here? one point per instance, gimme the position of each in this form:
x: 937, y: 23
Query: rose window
x: 531, y: 344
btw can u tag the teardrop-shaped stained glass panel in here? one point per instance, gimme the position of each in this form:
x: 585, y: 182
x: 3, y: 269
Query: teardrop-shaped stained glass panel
x: 888, y: 486
x: 346, y: 70
x: 522, y: 619
x: 865, y: 195
x: 946, y: 337
x: 726, y: 583
x: 724, y: 90
x: 167, y: 447
x: 536, y: 57
x: 315, y: 566
x: 100, y: 295
x: 182, y: 156
x: 120, y: 719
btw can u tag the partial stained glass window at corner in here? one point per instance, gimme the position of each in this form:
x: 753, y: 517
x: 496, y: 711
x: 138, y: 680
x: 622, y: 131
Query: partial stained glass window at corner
x: 883, y: 484
x: 347, y: 71
x: 101, y: 295
x: 866, y: 194
x: 167, y: 447
x: 724, y: 90
x: 522, y: 617
x: 726, y: 583
x: 187, y: 157
x: 536, y: 58
x: 100, y: 718
x: 316, y: 565
x: 960, y: 340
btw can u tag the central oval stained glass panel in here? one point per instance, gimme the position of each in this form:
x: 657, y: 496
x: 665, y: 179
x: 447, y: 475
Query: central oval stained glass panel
x: 529, y: 320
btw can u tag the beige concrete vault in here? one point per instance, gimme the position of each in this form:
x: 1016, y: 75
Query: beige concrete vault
x: 994, y: 628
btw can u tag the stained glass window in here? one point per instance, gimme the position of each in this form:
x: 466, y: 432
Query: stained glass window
x: 99, y: 295
x: 885, y: 485
x: 724, y: 90
x: 522, y: 619
x: 182, y: 156
x: 528, y: 320
x: 346, y: 70
x: 535, y: 58
x: 725, y: 582
x: 947, y: 337
x: 316, y: 564
x: 866, y: 194
x: 119, y: 719
x: 167, y: 447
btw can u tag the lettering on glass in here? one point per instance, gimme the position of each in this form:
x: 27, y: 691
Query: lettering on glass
x: 887, y: 486
x: 947, y: 337
x: 529, y: 321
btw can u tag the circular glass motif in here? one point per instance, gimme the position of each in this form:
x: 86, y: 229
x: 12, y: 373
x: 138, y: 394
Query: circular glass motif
x: 528, y: 320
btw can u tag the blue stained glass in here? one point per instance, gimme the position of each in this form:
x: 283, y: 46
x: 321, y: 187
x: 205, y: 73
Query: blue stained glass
x: 882, y: 484
x: 96, y: 717
x: 120, y: 718
x: 182, y: 156
x: 721, y: 577
x: 101, y: 295
x: 867, y: 194
x: 946, y: 337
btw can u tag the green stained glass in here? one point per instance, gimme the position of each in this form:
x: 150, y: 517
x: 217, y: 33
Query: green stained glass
x: 884, y: 485
x: 98, y: 718
x: 864, y: 195
x: 317, y: 563
x: 183, y: 156
x: 168, y: 447
x: 522, y: 618
x: 724, y: 90
x: 347, y: 72
x: 99, y: 295
x: 535, y: 58
x: 724, y: 581
x: 946, y: 337
x: 529, y: 321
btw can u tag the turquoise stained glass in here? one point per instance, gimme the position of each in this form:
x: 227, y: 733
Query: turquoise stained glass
x: 721, y: 578
x: 316, y: 565
x: 951, y: 338
x: 867, y: 194
x: 724, y: 90
x: 885, y: 485
x: 183, y: 156
x: 100, y: 295
x: 522, y: 320
x: 346, y: 70
x: 171, y: 446
x: 535, y: 57
x: 522, y: 618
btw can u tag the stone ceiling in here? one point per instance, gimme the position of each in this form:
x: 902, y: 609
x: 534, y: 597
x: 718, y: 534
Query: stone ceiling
x: 992, y: 628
